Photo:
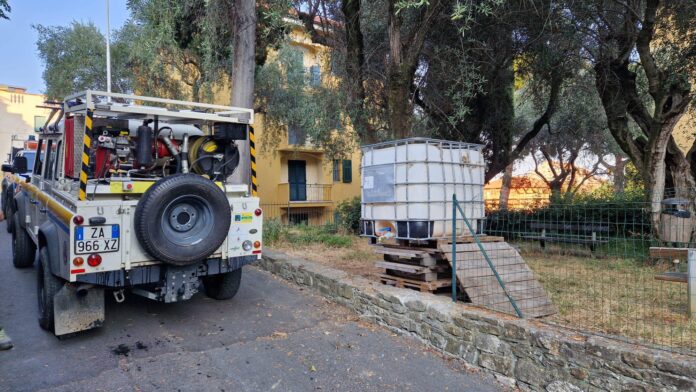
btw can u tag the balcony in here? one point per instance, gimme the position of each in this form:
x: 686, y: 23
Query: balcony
x: 309, y: 195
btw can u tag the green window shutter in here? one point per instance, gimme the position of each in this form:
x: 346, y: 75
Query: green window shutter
x: 347, y: 171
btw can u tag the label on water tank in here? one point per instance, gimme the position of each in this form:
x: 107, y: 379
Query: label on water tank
x: 378, y: 184
x: 369, y: 182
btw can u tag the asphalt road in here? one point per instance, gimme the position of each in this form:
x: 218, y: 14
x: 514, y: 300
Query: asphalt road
x: 271, y: 336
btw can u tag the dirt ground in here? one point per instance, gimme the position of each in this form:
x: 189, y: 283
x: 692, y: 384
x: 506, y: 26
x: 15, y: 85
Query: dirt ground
x: 357, y: 259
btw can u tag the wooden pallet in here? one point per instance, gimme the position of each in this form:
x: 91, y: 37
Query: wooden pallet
x: 477, y: 279
x: 430, y: 286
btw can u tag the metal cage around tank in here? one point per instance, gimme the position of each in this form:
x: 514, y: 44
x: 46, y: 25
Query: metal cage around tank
x: 408, y: 184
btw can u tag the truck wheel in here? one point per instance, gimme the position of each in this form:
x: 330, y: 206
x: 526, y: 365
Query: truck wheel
x: 182, y: 219
x: 223, y: 286
x: 23, y: 248
x: 48, y: 285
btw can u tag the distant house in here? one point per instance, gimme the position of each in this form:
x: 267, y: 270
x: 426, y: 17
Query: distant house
x: 19, y: 116
x: 529, y: 190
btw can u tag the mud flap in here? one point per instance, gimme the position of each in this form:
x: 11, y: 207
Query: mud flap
x: 73, y: 313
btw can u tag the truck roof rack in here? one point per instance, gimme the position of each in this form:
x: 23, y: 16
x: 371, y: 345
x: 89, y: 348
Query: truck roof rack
x: 128, y: 106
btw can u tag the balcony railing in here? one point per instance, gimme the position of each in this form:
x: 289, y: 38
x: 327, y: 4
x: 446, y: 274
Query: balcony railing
x: 305, y: 193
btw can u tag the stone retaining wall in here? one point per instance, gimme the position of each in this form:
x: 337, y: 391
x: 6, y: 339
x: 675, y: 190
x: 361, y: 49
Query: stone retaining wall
x: 528, y: 354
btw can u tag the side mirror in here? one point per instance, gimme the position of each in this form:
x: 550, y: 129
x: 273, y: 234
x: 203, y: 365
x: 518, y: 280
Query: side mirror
x: 19, y: 165
x: 7, y: 168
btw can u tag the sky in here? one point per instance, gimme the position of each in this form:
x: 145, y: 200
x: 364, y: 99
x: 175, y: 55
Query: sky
x: 20, y: 64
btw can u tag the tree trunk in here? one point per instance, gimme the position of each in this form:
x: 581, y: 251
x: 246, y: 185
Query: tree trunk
x: 404, y: 53
x: 399, y: 80
x: 505, y: 187
x: 243, y: 64
x: 556, y: 188
x: 399, y: 108
x: 619, y: 174
x: 355, y: 62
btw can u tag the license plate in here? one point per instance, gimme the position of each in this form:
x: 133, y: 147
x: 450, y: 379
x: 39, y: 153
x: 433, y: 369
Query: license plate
x: 97, y: 239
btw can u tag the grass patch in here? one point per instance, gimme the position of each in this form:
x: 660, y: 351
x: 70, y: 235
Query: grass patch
x: 277, y: 234
x: 616, y: 296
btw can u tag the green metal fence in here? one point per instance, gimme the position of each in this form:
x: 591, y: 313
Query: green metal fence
x: 593, y: 260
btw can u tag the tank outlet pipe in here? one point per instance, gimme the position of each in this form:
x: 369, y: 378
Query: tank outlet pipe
x: 82, y: 289
x: 172, y: 150
x: 184, y: 155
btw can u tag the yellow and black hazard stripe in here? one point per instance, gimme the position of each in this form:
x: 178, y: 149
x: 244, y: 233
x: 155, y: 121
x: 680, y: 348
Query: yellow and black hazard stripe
x: 87, y: 144
x: 252, y: 154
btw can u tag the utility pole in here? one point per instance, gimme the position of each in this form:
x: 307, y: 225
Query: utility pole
x: 108, y: 51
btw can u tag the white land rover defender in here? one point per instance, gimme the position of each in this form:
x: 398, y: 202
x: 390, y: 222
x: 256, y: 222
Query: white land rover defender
x: 133, y: 193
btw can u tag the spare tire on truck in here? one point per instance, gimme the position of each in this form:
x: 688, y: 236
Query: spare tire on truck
x: 182, y: 219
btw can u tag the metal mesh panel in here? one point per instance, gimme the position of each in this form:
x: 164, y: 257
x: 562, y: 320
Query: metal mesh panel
x: 600, y: 265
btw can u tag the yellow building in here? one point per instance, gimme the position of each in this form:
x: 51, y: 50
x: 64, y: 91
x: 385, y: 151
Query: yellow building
x: 19, y: 116
x: 297, y: 181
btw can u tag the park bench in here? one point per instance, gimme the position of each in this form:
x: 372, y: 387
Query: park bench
x: 569, y: 233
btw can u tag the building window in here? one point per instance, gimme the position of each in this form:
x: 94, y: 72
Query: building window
x: 315, y: 76
x: 39, y: 122
x: 347, y: 171
x: 296, y: 135
x: 337, y: 170
x: 298, y: 218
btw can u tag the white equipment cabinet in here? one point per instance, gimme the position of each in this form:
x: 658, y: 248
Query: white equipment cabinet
x: 407, y: 188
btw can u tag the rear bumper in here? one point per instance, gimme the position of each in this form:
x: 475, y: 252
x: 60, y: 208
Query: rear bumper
x: 156, y: 273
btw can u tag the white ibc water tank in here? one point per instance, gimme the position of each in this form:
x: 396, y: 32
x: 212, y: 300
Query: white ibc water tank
x: 407, y: 188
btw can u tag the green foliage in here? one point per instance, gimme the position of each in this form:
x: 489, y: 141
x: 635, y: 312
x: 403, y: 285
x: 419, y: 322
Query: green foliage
x: 466, y: 11
x: 348, y: 215
x: 4, y: 9
x: 75, y: 59
x: 172, y: 50
x: 273, y: 230
x: 288, y: 98
x: 271, y: 27
x: 307, y: 235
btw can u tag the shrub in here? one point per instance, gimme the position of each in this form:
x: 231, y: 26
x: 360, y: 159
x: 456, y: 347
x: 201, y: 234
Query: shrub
x: 336, y: 240
x: 273, y: 230
x: 306, y: 235
x: 348, y: 215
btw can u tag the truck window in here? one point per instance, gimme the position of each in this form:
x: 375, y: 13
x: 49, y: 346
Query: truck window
x: 56, y: 166
x: 31, y: 157
x: 50, y: 157
x: 38, y: 162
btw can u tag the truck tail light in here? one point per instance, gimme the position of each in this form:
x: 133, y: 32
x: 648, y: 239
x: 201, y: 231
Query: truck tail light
x: 257, y: 244
x: 78, y: 261
x: 258, y: 212
x: 78, y: 219
x: 94, y: 260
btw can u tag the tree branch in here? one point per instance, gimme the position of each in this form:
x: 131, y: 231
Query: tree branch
x: 643, y: 40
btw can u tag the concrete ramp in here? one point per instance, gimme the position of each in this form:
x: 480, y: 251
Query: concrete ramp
x: 477, y: 279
